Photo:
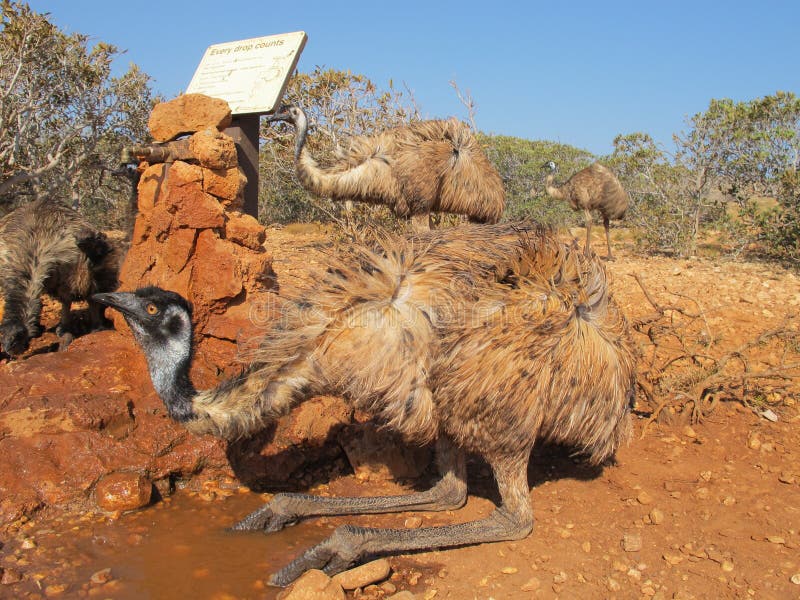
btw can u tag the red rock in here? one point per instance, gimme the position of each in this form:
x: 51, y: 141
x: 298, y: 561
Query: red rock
x: 213, y: 150
x: 186, y: 200
x: 187, y: 114
x: 245, y: 230
x: 226, y: 184
x: 314, y: 585
x: 151, y: 183
x: 123, y: 491
x: 178, y: 248
x: 217, y: 272
x: 363, y: 575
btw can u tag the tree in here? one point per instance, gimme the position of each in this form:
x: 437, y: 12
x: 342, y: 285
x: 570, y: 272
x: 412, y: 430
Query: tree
x: 732, y: 152
x: 63, y: 117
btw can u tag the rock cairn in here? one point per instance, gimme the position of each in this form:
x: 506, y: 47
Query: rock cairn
x: 190, y: 235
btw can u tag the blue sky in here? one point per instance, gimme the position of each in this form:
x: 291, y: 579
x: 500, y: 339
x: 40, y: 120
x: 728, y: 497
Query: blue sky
x: 574, y: 72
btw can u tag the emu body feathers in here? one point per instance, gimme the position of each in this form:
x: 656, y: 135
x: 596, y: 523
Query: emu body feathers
x: 485, y: 339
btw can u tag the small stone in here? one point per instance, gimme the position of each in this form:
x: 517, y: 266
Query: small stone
x: 363, y: 575
x: 702, y: 493
x: 673, y: 559
x: 753, y: 441
x: 531, y: 585
x: 631, y: 542
x: 729, y: 501
x: 28, y: 544
x: 509, y: 570
x: 689, y: 432
x: 648, y: 590
x: 619, y: 566
x: 100, y: 577
x: 613, y: 585
x: 705, y: 475
x: 10, y: 576
x: 123, y: 491
x: 412, y: 523
x: 560, y: 578
x: 586, y: 546
x: 430, y: 594
x: 644, y: 498
x: 656, y: 516
x: 787, y: 478
x: 795, y: 579
x: 55, y: 590
x: 727, y: 566
x: 388, y: 588
x: 314, y: 585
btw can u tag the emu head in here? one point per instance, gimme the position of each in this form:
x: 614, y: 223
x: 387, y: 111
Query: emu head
x: 14, y: 338
x: 290, y: 114
x: 160, y: 320
x: 550, y: 166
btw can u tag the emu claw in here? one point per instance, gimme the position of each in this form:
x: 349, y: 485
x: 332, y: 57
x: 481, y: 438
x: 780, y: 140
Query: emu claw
x: 320, y: 557
x: 264, y: 519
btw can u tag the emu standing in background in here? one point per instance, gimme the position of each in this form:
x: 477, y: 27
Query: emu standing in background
x: 47, y: 247
x: 483, y: 338
x: 592, y: 188
x: 414, y: 170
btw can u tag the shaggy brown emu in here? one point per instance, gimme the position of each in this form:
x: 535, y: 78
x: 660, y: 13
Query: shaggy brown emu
x: 416, y: 169
x: 483, y: 338
x: 47, y: 247
x: 592, y: 188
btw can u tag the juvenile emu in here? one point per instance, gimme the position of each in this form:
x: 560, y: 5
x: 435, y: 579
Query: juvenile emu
x: 47, y: 247
x: 592, y: 188
x: 414, y: 170
x: 483, y: 338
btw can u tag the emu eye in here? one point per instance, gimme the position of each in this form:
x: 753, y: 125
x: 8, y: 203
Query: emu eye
x: 151, y: 309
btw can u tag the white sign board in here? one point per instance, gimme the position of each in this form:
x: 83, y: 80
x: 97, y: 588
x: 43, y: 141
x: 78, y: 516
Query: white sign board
x: 250, y: 75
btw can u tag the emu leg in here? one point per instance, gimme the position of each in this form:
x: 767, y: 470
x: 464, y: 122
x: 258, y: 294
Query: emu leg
x: 64, y: 329
x: 586, y: 248
x: 606, y: 224
x: 287, y: 509
x: 348, y: 545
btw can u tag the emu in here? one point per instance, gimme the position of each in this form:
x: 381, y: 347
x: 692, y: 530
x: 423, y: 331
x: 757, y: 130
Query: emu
x: 485, y: 339
x: 47, y: 247
x: 414, y: 170
x: 592, y: 188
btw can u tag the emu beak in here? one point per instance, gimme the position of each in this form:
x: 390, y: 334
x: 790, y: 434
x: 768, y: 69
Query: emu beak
x: 125, y: 302
x: 282, y: 114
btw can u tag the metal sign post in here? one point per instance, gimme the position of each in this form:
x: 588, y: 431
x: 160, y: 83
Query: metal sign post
x: 251, y: 76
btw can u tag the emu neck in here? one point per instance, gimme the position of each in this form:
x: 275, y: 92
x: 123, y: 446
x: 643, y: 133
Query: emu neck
x: 301, y: 131
x: 175, y: 388
x: 168, y: 363
x: 550, y: 187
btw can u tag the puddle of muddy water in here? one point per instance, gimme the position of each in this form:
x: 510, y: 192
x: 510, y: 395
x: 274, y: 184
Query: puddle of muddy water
x: 178, y: 549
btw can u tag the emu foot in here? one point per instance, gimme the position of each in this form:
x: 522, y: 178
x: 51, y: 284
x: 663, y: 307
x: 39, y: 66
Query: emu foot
x: 336, y: 554
x: 265, y: 519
